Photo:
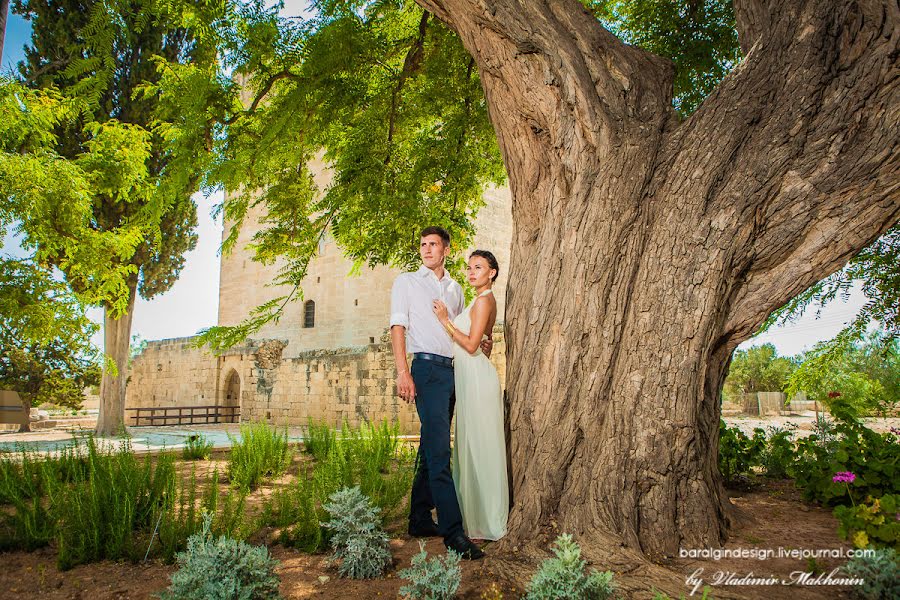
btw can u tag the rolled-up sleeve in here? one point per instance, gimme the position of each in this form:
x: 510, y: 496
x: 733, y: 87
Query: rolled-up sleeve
x: 400, y: 302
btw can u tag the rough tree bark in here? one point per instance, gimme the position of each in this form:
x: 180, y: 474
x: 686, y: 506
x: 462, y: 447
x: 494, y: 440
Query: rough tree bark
x: 116, y: 345
x: 646, y: 249
x: 4, y: 11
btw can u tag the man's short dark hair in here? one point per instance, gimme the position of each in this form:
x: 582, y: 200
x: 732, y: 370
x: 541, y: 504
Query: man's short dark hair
x: 439, y: 231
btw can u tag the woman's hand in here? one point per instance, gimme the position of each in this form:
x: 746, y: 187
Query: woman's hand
x: 440, y: 309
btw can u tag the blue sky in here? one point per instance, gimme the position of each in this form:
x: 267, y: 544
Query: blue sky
x: 192, y: 303
x: 18, y: 33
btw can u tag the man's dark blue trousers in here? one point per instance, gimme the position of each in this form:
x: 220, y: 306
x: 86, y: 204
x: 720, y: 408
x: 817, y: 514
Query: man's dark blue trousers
x: 433, y: 482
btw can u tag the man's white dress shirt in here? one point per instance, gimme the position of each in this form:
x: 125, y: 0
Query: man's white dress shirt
x: 411, y: 306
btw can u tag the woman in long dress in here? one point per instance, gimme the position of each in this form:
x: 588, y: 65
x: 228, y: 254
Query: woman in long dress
x: 479, y: 452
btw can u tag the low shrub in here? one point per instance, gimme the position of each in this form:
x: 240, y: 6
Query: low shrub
x: 778, y: 452
x: 738, y: 454
x: 872, y: 456
x: 879, y: 572
x: 296, y: 511
x: 319, y: 440
x: 222, y: 569
x: 436, y: 578
x: 101, y: 512
x: 359, y: 542
x: 353, y: 460
x: 106, y: 503
x: 196, y: 447
x: 183, y: 517
x: 564, y: 577
x: 871, y: 523
x: 261, y: 452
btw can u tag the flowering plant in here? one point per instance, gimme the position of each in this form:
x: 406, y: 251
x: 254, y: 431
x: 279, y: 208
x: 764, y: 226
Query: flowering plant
x: 844, y: 477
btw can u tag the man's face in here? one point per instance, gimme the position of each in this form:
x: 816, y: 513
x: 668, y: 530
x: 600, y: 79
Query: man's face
x: 433, y: 251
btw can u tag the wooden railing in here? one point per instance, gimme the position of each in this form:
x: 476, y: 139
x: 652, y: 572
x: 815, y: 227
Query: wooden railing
x: 185, y: 415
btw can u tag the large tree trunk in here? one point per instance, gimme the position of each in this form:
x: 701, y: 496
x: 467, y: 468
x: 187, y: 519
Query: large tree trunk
x: 116, y: 346
x: 4, y: 11
x: 645, y: 250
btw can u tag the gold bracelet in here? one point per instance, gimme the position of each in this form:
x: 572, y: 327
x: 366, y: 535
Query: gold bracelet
x: 450, y: 328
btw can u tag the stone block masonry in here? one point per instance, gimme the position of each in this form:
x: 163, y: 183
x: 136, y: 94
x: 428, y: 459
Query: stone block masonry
x: 353, y: 384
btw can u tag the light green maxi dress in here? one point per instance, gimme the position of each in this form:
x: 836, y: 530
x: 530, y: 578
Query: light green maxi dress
x: 479, y: 451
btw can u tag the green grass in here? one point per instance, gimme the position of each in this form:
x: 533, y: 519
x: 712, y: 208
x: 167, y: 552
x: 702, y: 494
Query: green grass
x: 96, y: 503
x: 197, y: 448
x: 370, y: 457
x: 262, y: 452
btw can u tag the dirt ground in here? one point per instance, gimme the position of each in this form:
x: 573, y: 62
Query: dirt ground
x: 772, y: 516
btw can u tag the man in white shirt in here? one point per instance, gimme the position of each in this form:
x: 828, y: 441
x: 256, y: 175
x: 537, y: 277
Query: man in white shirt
x: 429, y: 383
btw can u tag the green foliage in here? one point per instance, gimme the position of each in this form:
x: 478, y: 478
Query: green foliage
x: 388, y: 97
x: 359, y: 542
x: 319, y: 440
x: 564, y: 577
x: 90, y: 171
x: 222, y: 569
x: 261, y: 452
x: 871, y: 523
x: 98, y: 514
x: 698, y: 37
x: 45, y: 350
x: 106, y: 504
x: 872, y: 457
x: 356, y: 458
x: 197, y: 447
x: 434, y: 579
x: 778, y: 454
x: 757, y: 369
x: 852, y: 379
x: 738, y: 453
x: 880, y: 574
x: 296, y: 509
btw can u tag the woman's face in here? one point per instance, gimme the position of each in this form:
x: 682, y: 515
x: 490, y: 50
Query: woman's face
x: 479, y: 271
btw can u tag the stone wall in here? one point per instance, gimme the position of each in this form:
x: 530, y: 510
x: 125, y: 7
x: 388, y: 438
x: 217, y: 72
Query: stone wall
x: 353, y: 384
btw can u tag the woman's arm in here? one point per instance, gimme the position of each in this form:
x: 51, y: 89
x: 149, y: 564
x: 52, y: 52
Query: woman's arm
x: 481, y: 312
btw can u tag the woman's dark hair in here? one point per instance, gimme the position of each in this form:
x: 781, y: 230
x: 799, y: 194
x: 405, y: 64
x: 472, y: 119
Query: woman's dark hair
x: 491, y: 260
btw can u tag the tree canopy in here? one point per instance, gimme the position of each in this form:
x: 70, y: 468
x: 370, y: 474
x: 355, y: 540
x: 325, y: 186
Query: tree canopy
x: 45, y: 350
x: 758, y: 369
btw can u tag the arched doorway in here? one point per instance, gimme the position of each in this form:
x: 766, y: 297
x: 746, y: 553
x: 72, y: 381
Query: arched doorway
x: 232, y: 394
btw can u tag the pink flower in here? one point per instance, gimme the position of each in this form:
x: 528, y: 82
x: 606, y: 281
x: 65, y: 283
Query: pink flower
x: 844, y: 477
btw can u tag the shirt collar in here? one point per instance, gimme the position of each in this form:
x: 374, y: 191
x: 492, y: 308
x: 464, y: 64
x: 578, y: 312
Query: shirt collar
x: 425, y: 272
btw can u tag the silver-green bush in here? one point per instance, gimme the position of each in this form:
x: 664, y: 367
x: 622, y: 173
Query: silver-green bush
x: 564, y: 577
x: 434, y: 579
x: 222, y: 569
x: 359, y: 542
x: 880, y: 573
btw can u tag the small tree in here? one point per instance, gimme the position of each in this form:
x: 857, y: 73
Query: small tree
x: 45, y: 350
x: 103, y: 188
x: 849, y: 378
x: 758, y: 369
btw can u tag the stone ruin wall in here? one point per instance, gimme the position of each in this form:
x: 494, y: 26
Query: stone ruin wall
x: 354, y: 384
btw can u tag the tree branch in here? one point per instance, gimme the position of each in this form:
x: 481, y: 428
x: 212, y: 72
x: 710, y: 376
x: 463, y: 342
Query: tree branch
x: 261, y: 94
x: 410, y: 65
x: 561, y: 48
x: 752, y: 18
x: 793, y: 161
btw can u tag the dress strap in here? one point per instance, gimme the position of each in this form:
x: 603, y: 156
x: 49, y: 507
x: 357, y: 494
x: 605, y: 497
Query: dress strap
x: 485, y: 293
